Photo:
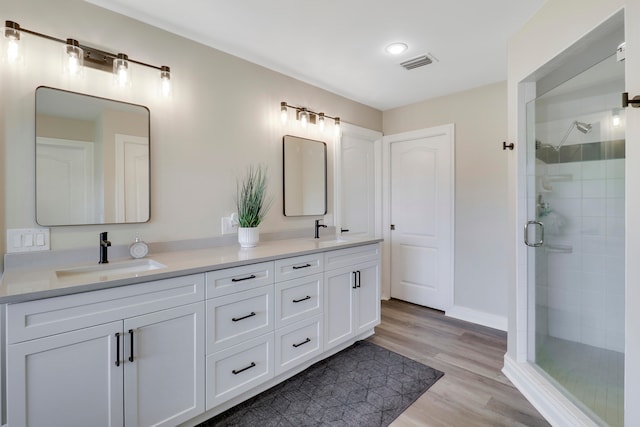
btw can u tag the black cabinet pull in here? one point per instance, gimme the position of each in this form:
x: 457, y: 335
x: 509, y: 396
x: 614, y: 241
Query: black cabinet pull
x: 253, y: 276
x: 236, y: 372
x: 131, y: 353
x: 359, y: 278
x: 237, y: 319
x: 302, y: 343
x: 117, y: 348
x: 355, y: 279
x: 298, y: 267
x: 302, y: 299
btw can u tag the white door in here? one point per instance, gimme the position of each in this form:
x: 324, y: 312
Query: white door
x: 421, y: 216
x: 70, y: 379
x: 164, y: 370
x: 132, y: 178
x: 359, y: 183
x: 64, y: 182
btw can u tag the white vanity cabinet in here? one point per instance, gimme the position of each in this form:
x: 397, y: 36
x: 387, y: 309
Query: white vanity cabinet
x: 299, y: 310
x: 239, y: 330
x: 351, y: 292
x: 132, y: 356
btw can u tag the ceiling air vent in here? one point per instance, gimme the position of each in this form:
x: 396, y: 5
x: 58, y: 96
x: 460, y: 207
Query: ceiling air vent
x: 420, y: 61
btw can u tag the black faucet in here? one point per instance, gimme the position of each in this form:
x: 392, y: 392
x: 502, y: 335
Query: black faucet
x: 104, y: 244
x: 318, y: 225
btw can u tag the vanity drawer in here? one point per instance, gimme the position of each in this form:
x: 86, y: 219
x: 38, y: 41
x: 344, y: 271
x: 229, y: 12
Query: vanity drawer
x: 237, y: 369
x: 298, y: 299
x: 234, y: 318
x: 350, y: 256
x: 291, y: 268
x: 298, y: 343
x: 230, y: 280
x: 50, y: 316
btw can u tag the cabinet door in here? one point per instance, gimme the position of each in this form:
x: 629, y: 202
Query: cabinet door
x: 69, y: 379
x: 338, y: 306
x: 368, y: 296
x: 164, y: 381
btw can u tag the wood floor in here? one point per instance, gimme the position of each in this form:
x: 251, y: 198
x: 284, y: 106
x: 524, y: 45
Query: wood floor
x: 473, y: 391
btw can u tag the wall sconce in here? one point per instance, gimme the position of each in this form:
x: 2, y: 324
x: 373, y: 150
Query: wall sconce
x: 306, y: 116
x: 78, y: 56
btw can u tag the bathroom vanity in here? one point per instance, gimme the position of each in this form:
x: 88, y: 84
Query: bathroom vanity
x: 182, y: 337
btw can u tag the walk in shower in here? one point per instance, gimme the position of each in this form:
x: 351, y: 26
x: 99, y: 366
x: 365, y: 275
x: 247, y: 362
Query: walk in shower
x: 576, y: 234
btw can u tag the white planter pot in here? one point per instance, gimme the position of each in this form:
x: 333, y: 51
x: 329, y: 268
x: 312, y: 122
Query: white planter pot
x: 248, y: 237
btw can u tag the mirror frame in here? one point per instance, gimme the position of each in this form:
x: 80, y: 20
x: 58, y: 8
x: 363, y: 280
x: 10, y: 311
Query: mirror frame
x: 128, y: 106
x: 284, y: 177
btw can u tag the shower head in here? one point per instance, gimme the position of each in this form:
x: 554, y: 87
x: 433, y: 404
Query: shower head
x: 583, y: 127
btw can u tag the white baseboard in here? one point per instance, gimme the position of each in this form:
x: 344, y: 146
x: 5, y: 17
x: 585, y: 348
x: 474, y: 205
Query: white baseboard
x: 479, y: 317
x: 550, y: 402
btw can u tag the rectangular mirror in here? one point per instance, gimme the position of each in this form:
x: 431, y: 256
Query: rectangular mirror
x: 304, y: 176
x: 92, y: 160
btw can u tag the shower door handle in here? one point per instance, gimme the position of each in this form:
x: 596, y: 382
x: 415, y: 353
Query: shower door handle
x: 526, y: 234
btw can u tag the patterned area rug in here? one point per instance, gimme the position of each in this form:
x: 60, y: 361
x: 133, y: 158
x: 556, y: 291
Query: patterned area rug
x: 363, y: 385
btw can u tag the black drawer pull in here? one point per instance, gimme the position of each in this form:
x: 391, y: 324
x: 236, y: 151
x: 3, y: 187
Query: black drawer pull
x: 298, y: 267
x: 236, y: 372
x: 302, y: 343
x: 237, y: 319
x: 131, y: 352
x: 253, y: 276
x: 117, y: 348
x: 302, y: 299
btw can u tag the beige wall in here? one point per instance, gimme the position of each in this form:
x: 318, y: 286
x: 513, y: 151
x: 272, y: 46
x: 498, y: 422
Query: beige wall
x: 480, y: 119
x: 223, y: 116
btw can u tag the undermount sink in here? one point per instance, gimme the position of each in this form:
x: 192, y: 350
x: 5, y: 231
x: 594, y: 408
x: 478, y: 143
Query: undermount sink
x: 329, y: 241
x: 105, y: 271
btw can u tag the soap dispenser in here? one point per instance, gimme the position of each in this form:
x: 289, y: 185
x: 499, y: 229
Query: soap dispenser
x: 138, y: 249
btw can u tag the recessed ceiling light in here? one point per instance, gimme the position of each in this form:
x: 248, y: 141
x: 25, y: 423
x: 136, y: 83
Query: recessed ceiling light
x: 396, y: 48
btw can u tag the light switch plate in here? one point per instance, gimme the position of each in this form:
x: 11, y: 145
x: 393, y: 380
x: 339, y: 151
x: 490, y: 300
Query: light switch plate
x: 28, y: 240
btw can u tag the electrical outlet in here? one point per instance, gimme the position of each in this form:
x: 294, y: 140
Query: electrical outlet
x: 229, y: 225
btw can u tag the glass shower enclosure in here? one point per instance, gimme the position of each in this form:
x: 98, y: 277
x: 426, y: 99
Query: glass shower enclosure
x: 576, y: 234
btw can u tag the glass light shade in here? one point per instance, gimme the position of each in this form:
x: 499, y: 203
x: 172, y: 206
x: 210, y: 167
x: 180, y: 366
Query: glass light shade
x: 321, y: 121
x: 165, y: 80
x: 12, y: 39
x: 284, y: 115
x: 304, y: 118
x: 73, y: 58
x: 121, y: 70
x: 337, y: 125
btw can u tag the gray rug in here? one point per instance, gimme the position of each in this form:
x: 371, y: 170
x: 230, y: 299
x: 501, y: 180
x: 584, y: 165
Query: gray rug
x: 363, y: 385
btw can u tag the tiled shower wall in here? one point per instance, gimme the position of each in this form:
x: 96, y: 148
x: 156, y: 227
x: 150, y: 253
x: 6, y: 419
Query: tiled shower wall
x: 582, y: 288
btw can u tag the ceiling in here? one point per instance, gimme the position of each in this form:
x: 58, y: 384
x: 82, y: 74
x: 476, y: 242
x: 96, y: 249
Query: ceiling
x: 339, y: 45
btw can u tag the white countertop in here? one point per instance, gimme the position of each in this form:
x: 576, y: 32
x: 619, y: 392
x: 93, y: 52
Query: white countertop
x: 30, y: 283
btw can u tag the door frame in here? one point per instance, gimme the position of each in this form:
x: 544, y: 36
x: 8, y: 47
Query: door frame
x: 387, y: 140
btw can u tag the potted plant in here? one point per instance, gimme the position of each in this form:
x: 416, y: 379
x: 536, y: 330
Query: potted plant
x: 252, y: 204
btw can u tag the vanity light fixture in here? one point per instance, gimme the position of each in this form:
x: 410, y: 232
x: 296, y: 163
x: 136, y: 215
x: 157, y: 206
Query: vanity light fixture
x: 307, y: 116
x: 77, y: 56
